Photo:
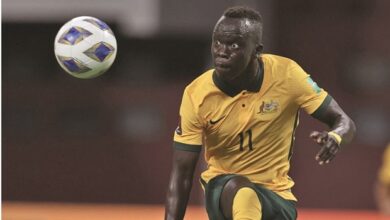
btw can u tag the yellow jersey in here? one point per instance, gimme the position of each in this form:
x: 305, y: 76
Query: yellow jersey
x: 384, y: 172
x: 249, y: 132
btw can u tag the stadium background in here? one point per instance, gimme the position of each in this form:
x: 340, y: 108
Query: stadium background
x: 108, y: 140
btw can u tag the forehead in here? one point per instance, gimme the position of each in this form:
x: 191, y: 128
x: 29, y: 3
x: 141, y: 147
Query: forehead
x: 235, y: 26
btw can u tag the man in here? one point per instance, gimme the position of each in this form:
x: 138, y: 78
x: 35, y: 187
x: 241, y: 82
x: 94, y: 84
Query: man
x: 244, y: 112
x: 382, y: 189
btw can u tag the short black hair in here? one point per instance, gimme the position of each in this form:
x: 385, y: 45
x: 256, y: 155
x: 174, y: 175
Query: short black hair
x: 243, y: 12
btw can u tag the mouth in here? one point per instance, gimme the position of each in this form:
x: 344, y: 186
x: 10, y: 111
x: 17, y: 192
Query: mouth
x: 222, y: 68
x: 222, y: 63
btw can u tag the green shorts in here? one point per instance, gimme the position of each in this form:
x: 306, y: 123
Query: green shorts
x: 273, y: 206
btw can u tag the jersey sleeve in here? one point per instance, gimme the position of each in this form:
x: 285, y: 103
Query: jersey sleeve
x: 188, y: 135
x: 306, y: 93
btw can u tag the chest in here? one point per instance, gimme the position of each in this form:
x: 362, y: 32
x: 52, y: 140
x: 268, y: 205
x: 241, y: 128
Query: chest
x: 225, y: 119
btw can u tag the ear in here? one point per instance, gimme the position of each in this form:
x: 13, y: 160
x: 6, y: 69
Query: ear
x: 259, y: 49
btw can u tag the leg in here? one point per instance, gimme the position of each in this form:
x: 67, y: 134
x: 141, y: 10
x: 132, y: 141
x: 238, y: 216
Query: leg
x: 239, y: 200
x: 246, y: 205
x: 221, y: 192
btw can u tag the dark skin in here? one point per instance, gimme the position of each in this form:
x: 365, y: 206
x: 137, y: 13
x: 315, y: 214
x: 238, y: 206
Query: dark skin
x: 236, y: 46
x: 184, y: 163
x: 235, y: 49
x: 382, y: 196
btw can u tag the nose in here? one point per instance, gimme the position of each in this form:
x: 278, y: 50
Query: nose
x: 221, y: 51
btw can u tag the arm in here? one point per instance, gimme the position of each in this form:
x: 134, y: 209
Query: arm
x: 184, y: 163
x: 382, y: 196
x: 340, y: 124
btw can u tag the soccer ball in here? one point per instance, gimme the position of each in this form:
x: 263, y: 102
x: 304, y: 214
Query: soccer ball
x: 85, y: 47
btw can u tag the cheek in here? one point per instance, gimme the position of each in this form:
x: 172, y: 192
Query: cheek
x: 242, y: 59
x: 213, y: 51
x: 249, y: 55
x: 238, y: 56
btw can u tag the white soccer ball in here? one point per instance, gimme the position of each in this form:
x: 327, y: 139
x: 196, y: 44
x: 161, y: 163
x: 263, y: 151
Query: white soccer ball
x: 85, y: 47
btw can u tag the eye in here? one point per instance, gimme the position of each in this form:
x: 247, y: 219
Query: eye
x: 235, y: 46
x: 217, y: 43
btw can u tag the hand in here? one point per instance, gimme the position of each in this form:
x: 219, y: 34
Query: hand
x: 329, y: 146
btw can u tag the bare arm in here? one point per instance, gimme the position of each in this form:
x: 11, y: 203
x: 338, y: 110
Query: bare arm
x: 184, y: 163
x: 382, y: 196
x: 340, y: 124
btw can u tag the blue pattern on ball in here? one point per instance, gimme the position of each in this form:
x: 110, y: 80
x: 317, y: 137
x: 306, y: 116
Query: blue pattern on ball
x: 102, y: 52
x: 99, y: 24
x: 72, y: 35
x: 71, y: 65
x: 102, y: 25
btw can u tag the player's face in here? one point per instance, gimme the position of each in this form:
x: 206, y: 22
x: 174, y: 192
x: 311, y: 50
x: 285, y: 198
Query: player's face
x: 233, y: 47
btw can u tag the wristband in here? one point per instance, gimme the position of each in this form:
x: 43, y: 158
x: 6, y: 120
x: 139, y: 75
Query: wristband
x: 336, y: 136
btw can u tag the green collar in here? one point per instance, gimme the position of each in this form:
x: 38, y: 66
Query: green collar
x: 232, y: 91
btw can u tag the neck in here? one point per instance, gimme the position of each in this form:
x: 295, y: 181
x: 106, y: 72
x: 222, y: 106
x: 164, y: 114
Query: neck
x: 247, y: 77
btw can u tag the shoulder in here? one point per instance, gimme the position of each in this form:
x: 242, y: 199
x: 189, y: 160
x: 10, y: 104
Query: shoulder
x: 277, y: 61
x: 281, y: 67
x: 200, y: 87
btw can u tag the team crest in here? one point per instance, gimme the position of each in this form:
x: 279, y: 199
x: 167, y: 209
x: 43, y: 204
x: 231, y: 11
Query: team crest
x: 268, y: 107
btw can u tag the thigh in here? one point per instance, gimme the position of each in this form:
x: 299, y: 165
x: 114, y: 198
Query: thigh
x: 274, y: 207
x: 213, y: 191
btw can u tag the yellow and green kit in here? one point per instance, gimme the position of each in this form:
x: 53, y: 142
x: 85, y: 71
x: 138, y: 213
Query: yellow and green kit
x: 249, y: 132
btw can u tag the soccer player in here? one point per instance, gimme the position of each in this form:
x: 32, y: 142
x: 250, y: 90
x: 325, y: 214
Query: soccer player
x: 244, y: 113
x: 383, y: 184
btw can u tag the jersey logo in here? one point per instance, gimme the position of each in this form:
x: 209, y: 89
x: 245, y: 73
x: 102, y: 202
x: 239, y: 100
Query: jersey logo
x: 314, y: 85
x: 268, y: 107
x: 178, y: 129
x: 216, y: 121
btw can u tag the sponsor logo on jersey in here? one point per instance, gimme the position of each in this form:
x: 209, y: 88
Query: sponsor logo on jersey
x: 314, y: 85
x: 178, y: 129
x: 216, y: 121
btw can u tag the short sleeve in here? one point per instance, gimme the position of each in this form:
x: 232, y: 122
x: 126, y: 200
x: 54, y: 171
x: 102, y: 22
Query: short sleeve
x: 188, y: 135
x: 307, y: 94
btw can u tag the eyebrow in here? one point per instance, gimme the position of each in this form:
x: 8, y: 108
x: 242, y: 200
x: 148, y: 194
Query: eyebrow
x: 228, y: 34
x: 240, y: 32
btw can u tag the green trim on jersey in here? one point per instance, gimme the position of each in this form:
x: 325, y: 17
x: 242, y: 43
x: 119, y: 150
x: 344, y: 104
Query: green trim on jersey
x: 187, y: 147
x: 209, y: 117
x: 322, y: 107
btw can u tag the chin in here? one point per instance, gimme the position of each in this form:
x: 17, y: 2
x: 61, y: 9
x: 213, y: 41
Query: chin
x: 226, y: 75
